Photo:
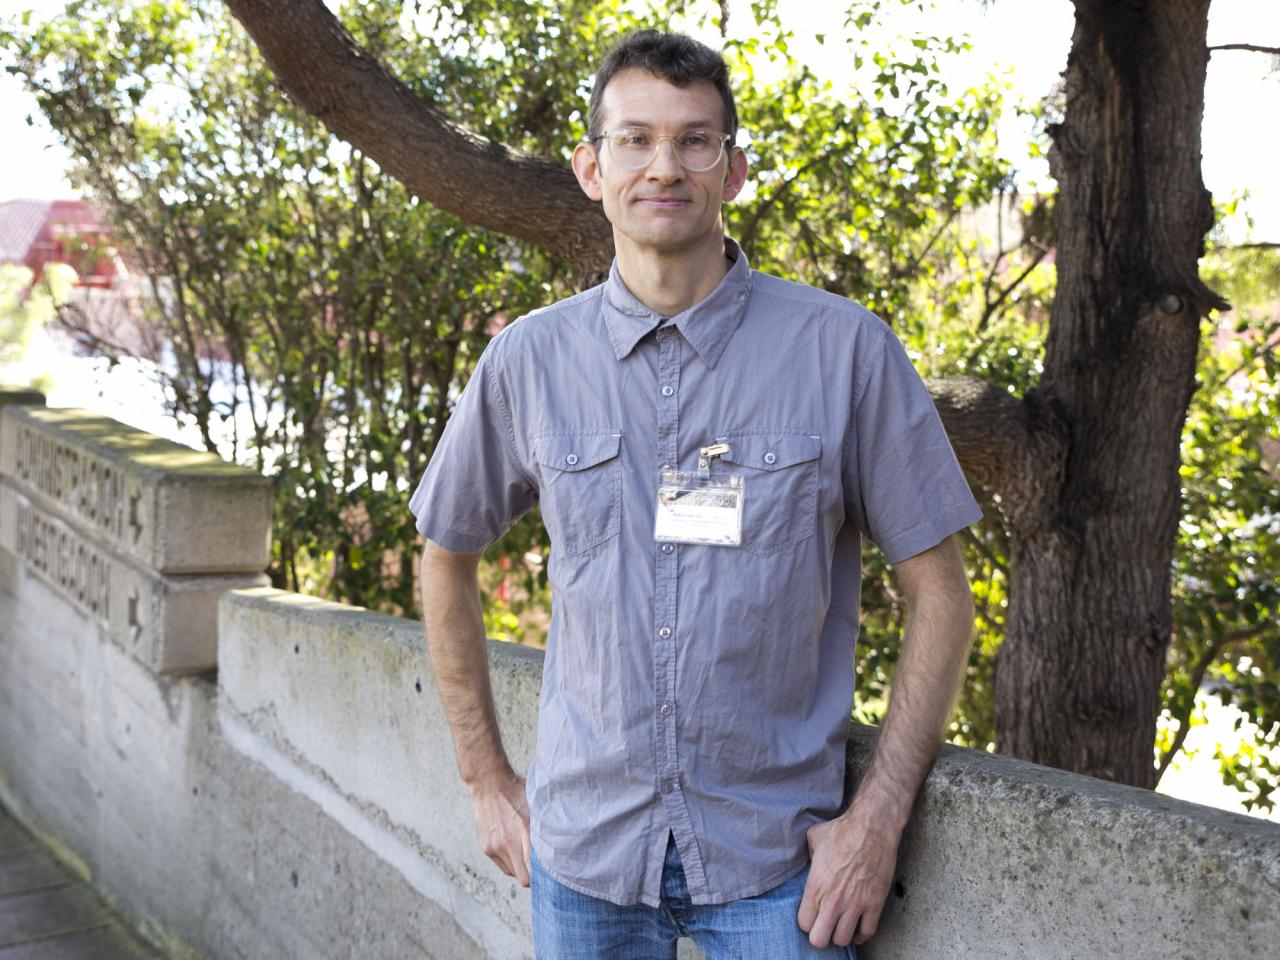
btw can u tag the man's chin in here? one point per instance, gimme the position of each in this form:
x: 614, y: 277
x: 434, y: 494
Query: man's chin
x: 671, y: 240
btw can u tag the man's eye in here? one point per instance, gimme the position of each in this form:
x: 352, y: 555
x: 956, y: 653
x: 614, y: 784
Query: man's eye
x: 632, y: 139
x: 696, y: 140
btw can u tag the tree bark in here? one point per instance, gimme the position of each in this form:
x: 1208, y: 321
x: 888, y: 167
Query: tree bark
x: 320, y: 65
x: 1013, y: 447
x: 1089, y: 624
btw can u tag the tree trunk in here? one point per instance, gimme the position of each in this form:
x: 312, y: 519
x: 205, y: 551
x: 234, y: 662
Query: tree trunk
x: 1078, y: 677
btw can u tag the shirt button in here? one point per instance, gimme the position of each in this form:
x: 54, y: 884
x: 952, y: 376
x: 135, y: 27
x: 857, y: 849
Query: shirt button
x: 571, y: 459
x: 665, y: 710
x: 770, y: 457
x: 667, y: 786
x: 664, y: 633
x: 668, y: 390
x: 668, y: 547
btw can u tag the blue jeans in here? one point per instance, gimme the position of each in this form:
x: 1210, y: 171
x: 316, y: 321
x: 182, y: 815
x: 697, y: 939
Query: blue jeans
x: 568, y: 925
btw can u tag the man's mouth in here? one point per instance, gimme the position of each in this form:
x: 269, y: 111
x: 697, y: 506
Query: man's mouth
x: 664, y: 202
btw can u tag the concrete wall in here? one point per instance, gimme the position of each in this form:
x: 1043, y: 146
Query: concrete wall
x: 302, y: 801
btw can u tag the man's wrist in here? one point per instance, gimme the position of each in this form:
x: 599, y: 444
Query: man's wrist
x: 489, y: 780
x: 885, y: 805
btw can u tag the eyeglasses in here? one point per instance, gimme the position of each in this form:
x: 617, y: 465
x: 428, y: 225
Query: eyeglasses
x: 635, y: 149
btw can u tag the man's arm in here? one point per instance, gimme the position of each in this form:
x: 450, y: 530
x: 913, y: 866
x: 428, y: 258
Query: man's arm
x: 853, y: 857
x: 454, y: 626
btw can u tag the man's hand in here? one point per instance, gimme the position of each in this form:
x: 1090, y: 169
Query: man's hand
x: 502, y: 819
x: 853, y: 859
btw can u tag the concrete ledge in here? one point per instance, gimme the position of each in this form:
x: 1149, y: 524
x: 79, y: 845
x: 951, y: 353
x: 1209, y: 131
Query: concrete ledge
x: 175, y: 510
x: 308, y: 805
x: 340, y: 703
x: 1004, y: 858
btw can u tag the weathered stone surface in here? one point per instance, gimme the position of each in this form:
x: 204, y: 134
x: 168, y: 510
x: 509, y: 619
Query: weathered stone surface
x: 1004, y: 858
x: 168, y: 623
x: 210, y: 851
x: 307, y: 805
x: 18, y: 396
x: 340, y: 702
x: 172, y: 509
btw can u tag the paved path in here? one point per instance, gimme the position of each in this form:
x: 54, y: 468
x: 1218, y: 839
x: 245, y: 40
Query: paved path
x: 47, y: 913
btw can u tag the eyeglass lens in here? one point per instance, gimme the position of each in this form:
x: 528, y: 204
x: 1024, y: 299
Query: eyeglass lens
x: 696, y: 150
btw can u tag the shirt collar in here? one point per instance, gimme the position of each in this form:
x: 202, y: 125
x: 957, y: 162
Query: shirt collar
x: 707, y: 325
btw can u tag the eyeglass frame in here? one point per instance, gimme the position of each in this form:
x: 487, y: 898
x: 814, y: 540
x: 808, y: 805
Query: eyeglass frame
x: 657, y: 145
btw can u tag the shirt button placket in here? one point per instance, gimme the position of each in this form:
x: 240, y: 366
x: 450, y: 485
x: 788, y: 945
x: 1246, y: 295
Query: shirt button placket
x: 666, y: 564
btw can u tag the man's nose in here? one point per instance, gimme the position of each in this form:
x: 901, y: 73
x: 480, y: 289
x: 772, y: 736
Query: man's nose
x: 665, y: 165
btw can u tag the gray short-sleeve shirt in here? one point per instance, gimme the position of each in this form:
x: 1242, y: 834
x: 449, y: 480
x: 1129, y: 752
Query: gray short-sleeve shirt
x: 701, y: 690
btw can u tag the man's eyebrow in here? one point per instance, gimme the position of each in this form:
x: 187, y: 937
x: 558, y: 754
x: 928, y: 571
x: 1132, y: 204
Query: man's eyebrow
x: 701, y: 122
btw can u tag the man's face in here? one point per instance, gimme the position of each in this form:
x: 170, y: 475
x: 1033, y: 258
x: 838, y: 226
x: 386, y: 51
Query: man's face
x: 662, y: 207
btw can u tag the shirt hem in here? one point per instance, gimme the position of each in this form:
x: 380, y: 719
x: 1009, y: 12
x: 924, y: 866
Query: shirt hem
x: 453, y: 539
x: 579, y: 887
x: 927, y: 535
x: 712, y: 900
x: 701, y: 900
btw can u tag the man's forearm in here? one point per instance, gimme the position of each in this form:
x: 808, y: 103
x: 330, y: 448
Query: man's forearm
x: 935, y: 647
x: 454, y: 625
x: 853, y: 856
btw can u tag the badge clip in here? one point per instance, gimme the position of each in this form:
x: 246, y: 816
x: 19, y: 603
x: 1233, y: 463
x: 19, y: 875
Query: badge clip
x: 706, y: 454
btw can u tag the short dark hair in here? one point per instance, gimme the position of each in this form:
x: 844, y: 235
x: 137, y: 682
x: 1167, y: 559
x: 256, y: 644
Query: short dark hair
x: 673, y: 57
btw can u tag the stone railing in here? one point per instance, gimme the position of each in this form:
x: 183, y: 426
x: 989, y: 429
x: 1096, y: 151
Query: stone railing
x: 303, y: 801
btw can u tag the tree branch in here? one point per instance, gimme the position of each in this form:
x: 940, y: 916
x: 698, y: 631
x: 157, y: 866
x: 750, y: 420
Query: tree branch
x: 1260, y: 245
x: 1013, y: 446
x: 320, y: 65
x: 1207, y: 658
x: 748, y: 234
x: 994, y: 305
x: 1274, y: 51
x: 1198, y: 671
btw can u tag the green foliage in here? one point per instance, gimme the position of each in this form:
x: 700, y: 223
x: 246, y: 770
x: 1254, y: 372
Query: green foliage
x: 861, y: 194
x: 1225, y: 592
x: 320, y: 318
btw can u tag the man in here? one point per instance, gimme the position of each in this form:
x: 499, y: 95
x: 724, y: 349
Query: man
x: 708, y: 444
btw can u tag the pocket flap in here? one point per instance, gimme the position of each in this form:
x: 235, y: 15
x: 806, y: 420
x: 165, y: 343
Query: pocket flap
x: 576, y: 451
x: 771, y: 451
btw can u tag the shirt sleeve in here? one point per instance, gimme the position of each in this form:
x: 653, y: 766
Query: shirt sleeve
x: 475, y: 486
x: 903, y: 485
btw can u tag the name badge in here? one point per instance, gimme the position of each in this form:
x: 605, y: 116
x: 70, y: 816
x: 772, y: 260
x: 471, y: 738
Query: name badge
x: 693, y: 508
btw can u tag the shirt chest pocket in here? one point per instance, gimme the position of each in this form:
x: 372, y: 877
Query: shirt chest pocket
x: 780, y: 476
x: 581, y: 488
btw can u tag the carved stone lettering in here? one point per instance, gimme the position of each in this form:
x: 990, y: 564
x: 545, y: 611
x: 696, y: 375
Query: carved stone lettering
x: 91, y: 488
x: 75, y: 568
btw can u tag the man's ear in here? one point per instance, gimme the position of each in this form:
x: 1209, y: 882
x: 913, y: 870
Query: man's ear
x: 586, y: 167
x: 735, y: 177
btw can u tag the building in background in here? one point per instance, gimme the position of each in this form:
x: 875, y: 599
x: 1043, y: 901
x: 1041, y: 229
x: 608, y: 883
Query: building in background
x: 104, y: 311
